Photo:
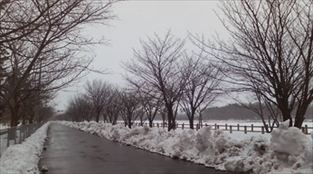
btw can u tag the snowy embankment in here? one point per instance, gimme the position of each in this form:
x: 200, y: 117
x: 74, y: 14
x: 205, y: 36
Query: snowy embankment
x: 23, y: 158
x: 287, y: 150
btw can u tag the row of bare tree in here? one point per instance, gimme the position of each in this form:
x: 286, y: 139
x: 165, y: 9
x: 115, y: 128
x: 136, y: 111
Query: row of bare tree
x: 268, y: 55
x: 189, y: 84
x: 41, y: 51
x: 163, y: 79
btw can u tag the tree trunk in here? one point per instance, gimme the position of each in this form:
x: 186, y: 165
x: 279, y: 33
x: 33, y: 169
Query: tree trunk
x: 299, y: 121
x: 150, y: 123
x: 191, y: 125
x: 97, y: 116
x: 14, y: 117
x: 286, y: 115
x: 114, y: 120
x: 129, y: 122
x: 300, y: 117
x: 171, y: 121
x: 104, y: 118
x: 191, y: 118
x: 141, y: 121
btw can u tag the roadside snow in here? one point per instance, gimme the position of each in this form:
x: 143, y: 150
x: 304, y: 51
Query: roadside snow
x: 23, y: 158
x: 286, y: 150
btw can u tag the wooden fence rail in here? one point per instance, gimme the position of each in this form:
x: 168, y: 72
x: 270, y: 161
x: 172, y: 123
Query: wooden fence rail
x: 226, y: 127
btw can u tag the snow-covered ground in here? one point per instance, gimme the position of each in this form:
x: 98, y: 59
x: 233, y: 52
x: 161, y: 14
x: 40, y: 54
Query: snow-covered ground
x: 23, y: 158
x: 3, y: 143
x: 4, y: 140
x: 4, y: 126
x: 286, y: 150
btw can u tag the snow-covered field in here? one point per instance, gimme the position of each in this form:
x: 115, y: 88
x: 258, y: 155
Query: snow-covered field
x: 23, y: 158
x: 286, y: 150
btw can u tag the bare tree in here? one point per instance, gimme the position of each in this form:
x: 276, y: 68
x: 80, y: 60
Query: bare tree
x: 99, y: 94
x: 113, y: 107
x: 44, y: 37
x: 44, y: 112
x: 270, y: 53
x: 79, y: 109
x: 130, y: 107
x: 201, y: 88
x: 151, y: 104
x: 156, y: 64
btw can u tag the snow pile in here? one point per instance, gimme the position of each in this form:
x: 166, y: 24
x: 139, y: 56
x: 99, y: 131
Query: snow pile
x: 287, y: 151
x: 293, y: 150
x: 23, y: 158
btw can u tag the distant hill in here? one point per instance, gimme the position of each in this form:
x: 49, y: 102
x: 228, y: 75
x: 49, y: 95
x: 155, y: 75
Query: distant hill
x: 232, y: 111
x: 237, y: 112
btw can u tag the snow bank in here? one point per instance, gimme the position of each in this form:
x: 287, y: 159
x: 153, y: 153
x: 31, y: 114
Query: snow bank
x: 286, y: 151
x: 23, y: 158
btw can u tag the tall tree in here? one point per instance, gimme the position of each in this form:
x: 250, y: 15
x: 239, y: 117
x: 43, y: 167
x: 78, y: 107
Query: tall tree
x: 79, y: 109
x: 98, y: 93
x: 45, y: 37
x: 112, y: 110
x: 130, y: 109
x: 270, y: 53
x: 151, y: 104
x: 157, y: 65
x: 202, y: 86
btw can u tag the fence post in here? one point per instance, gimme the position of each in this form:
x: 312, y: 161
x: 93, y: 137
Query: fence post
x: 21, y: 128
x: 226, y: 126
x: 183, y: 125
x: 230, y: 128
x: 218, y: 126
x: 245, y: 127
x: 206, y: 125
x: 158, y: 125
x: 262, y: 129
x: 215, y: 126
x: 306, y: 129
x: 251, y: 127
x: 8, y: 140
x: 197, y: 126
x: 238, y: 127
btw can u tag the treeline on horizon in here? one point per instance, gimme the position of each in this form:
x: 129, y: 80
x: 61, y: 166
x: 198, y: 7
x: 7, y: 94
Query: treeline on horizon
x: 235, y: 112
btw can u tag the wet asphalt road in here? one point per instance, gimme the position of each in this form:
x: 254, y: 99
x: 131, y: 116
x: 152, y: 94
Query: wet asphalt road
x: 70, y: 151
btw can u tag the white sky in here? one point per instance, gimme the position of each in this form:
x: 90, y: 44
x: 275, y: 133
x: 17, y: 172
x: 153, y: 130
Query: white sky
x: 136, y: 20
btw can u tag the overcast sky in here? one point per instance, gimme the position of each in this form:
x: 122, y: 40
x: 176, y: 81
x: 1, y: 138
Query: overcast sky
x: 136, y: 20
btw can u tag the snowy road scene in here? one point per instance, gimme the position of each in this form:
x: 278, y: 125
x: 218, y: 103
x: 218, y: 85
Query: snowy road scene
x: 156, y: 87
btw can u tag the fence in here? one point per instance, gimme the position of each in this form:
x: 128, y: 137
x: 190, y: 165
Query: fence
x: 226, y: 127
x: 16, y: 135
